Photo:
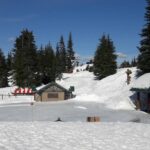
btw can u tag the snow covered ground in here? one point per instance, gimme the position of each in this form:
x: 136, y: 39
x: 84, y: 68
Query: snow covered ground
x: 33, y: 127
x: 109, y: 99
x: 73, y: 136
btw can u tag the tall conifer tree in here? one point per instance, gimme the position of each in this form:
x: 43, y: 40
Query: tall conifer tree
x: 3, y: 70
x: 105, y: 58
x: 70, y: 54
x: 144, y: 56
x: 62, y: 53
x: 49, y: 64
x: 58, y: 63
x: 25, y: 60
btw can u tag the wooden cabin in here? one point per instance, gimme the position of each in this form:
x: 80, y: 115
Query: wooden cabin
x: 52, y: 92
x: 142, y: 91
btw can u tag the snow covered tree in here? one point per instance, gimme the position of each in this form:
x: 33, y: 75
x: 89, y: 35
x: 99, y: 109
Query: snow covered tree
x: 144, y: 56
x: 105, y: 58
x: 25, y: 60
x: 70, y: 55
x: 3, y: 70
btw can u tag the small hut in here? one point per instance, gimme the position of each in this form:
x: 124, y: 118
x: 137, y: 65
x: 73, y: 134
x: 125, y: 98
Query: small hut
x: 142, y: 89
x: 52, y: 92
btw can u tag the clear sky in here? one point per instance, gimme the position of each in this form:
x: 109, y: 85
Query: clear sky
x: 88, y: 20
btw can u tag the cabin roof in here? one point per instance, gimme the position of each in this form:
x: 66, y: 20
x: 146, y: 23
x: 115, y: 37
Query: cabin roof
x: 142, y: 83
x: 49, y: 85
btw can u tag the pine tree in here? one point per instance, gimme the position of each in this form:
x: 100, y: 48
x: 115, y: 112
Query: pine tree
x: 70, y: 54
x: 49, y: 64
x: 58, y: 63
x: 25, y: 60
x: 125, y: 64
x: 46, y: 64
x: 105, y: 59
x: 144, y: 56
x: 62, y: 53
x: 40, y: 66
x: 9, y: 62
x: 133, y: 62
x: 3, y: 70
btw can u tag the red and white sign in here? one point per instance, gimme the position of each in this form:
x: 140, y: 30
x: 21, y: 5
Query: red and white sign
x: 23, y: 91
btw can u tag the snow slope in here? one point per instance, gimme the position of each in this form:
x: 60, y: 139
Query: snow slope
x: 112, y: 91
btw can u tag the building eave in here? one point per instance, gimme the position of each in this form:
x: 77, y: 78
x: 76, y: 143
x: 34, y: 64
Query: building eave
x: 51, y: 84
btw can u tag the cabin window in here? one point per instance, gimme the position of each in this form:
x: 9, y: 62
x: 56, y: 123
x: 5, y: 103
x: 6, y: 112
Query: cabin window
x: 52, y: 95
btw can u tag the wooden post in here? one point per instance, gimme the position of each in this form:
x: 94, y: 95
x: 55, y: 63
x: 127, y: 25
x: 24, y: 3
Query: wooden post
x: 148, y: 102
x: 138, y: 101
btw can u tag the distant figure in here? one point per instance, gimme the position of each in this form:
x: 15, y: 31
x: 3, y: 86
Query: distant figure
x: 128, y: 72
x: 58, y: 120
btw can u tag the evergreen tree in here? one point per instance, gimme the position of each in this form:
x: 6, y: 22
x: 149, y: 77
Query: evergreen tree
x: 9, y: 62
x: 40, y: 66
x: 144, y: 56
x: 3, y: 70
x: 25, y: 60
x: 58, y: 63
x: 62, y: 53
x: 70, y: 54
x: 133, y: 62
x: 105, y: 58
x: 46, y: 64
x: 49, y: 65
x: 125, y: 64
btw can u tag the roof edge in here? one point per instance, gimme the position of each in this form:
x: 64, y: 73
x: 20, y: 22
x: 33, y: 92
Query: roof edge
x: 50, y: 84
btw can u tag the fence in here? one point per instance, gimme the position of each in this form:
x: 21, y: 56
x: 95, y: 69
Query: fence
x: 10, y: 97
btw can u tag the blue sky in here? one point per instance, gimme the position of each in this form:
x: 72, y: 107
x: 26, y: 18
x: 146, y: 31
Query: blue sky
x: 88, y: 20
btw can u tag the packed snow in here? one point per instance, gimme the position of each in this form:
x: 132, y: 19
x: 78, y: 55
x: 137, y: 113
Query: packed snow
x: 26, y: 124
x: 73, y: 136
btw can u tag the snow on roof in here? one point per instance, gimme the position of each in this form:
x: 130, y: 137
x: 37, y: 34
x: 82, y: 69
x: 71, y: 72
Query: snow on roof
x: 50, y: 84
x: 143, y: 82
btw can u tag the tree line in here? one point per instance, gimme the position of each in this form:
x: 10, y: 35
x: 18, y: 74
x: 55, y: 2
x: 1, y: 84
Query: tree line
x: 105, y: 59
x: 29, y: 66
